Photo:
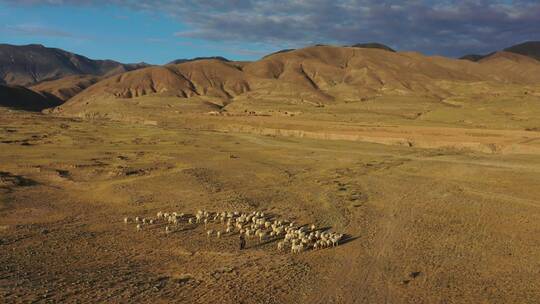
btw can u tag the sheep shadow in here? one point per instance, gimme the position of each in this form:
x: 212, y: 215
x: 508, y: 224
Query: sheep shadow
x: 347, y: 239
x: 323, y: 229
x: 266, y: 242
x: 185, y: 228
x: 175, y: 228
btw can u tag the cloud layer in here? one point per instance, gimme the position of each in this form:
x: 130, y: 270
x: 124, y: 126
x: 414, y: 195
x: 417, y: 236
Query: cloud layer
x: 446, y: 27
x: 35, y: 30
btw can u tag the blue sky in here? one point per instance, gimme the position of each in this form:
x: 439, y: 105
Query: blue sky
x: 113, y: 32
x: 158, y: 31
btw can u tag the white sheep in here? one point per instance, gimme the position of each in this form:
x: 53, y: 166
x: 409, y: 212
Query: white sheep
x: 251, y: 224
x: 297, y: 248
x: 335, y: 239
x: 262, y: 236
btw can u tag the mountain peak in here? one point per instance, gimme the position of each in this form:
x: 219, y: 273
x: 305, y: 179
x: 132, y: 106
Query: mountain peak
x: 373, y: 45
x: 220, y: 58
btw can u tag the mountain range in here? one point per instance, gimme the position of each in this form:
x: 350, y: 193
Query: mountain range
x: 313, y: 75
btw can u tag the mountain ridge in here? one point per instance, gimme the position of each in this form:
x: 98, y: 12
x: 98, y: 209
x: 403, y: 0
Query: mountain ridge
x: 529, y: 48
x: 31, y: 64
x: 178, y: 61
x: 314, y: 75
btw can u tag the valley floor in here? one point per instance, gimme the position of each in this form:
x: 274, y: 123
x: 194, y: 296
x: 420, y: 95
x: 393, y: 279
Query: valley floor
x: 427, y: 223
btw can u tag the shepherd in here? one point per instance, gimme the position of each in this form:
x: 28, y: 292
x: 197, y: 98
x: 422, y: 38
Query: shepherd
x: 242, y: 241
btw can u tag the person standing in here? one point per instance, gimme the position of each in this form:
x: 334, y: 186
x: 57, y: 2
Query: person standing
x: 242, y: 241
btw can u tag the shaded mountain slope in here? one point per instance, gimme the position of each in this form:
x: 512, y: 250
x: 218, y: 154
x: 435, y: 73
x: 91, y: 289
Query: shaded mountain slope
x: 529, y: 49
x: 30, y: 64
x: 67, y: 87
x: 21, y: 98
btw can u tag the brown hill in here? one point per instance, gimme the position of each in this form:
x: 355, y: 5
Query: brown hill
x: 511, y: 67
x: 338, y: 71
x: 29, y: 64
x: 316, y: 75
x: 21, y: 98
x: 202, y: 77
x: 67, y: 87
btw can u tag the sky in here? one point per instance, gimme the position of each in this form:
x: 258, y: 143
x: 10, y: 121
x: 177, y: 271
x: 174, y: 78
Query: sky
x: 159, y: 31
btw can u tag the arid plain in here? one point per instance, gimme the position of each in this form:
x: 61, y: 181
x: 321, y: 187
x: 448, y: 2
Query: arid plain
x: 435, y: 183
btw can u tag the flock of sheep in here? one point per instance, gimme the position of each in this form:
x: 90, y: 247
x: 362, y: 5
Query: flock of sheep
x: 248, y: 225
